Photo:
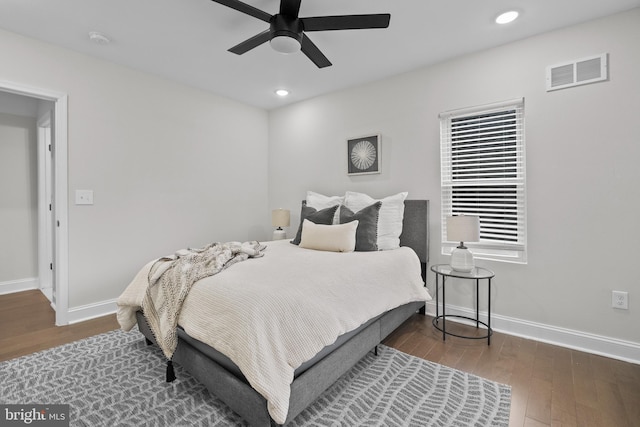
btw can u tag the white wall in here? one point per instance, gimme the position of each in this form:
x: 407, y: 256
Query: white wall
x: 582, y: 160
x: 18, y: 198
x: 173, y: 166
x: 170, y: 166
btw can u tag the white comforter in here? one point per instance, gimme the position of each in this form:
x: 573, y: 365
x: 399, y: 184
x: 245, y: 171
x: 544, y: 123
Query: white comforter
x: 271, y: 314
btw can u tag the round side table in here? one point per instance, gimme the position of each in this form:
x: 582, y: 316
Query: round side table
x: 443, y: 271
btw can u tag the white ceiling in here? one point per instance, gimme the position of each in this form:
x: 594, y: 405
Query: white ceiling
x: 187, y: 40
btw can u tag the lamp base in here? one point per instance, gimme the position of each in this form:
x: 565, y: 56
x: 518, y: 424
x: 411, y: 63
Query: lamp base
x: 462, y: 260
x: 279, y: 234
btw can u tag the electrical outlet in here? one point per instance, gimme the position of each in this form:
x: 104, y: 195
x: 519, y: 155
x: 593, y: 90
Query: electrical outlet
x: 620, y: 299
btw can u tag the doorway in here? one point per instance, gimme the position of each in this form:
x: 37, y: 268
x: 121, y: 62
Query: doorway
x: 52, y: 196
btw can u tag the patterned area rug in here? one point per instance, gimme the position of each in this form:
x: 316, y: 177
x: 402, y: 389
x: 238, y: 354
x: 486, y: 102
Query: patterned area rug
x: 115, y: 379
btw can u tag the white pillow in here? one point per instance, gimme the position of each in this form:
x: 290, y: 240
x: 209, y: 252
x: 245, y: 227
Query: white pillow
x: 334, y: 238
x: 389, y: 218
x: 320, y: 201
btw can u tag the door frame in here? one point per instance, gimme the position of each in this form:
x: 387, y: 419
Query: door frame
x: 45, y: 207
x: 60, y: 204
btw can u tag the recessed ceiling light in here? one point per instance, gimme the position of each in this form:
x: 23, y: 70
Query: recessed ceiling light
x: 282, y: 92
x: 507, y: 17
x: 98, y: 38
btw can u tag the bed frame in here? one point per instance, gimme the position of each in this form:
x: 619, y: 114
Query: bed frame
x: 314, y: 377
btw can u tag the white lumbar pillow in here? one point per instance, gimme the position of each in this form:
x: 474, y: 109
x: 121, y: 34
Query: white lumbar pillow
x: 334, y: 238
x: 389, y: 218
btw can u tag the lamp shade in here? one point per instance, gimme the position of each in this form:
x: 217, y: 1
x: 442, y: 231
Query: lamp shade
x: 280, y: 217
x: 463, y: 228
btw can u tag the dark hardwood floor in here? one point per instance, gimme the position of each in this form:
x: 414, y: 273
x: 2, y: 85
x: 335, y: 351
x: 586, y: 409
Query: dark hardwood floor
x: 27, y: 325
x: 550, y: 385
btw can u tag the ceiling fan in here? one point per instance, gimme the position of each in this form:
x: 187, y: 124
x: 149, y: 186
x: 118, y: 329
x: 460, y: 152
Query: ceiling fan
x: 286, y: 31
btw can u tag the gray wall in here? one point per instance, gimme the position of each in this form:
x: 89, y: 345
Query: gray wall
x: 18, y: 197
x: 582, y: 160
x: 18, y: 105
x: 170, y: 166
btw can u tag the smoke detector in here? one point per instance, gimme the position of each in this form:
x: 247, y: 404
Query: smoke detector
x: 99, y: 38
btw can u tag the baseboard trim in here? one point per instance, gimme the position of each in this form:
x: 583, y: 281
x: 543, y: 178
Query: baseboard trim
x: 596, y: 344
x: 91, y: 311
x: 20, y: 285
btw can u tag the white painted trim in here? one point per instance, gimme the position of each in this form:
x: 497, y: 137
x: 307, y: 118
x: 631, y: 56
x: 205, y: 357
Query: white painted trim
x: 596, y: 344
x: 19, y: 285
x: 45, y: 216
x: 61, y: 203
x: 60, y: 139
x: 91, y: 311
x: 20, y: 89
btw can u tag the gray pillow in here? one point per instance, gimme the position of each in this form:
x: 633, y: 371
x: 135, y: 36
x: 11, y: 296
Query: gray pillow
x: 322, y: 216
x: 367, y: 232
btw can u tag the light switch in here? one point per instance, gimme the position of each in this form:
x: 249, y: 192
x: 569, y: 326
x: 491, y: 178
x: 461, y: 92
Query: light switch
x: 84, y: 197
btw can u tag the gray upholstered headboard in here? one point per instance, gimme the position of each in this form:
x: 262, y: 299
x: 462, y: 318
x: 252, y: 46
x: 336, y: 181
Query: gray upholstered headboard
x: 415, y: 228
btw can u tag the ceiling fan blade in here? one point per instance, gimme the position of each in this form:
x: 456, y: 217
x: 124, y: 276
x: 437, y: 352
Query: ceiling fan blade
x: 290, y: 7
x: 313, y: 53
x: 249, y: 44
x: 346, y: 22
x: 245, y: 8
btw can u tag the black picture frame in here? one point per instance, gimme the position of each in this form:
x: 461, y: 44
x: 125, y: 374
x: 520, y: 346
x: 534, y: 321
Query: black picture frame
x: 363, y: 155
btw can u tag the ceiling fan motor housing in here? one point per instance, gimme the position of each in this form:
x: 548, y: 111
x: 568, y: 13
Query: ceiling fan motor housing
x: 286, y: 26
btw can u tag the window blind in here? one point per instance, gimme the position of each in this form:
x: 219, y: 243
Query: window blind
x: 483, y: 174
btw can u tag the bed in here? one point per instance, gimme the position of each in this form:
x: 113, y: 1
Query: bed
x: 225, y: 379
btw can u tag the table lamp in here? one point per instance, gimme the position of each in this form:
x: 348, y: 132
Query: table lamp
x: 463, y: 228
x: 280, y: 218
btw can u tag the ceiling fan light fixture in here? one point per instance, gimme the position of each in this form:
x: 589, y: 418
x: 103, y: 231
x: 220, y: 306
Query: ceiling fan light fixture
x: 285, y: 44
x: 506, y: 17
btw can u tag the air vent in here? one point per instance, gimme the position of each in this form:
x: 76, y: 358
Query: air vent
x: 576, y: 73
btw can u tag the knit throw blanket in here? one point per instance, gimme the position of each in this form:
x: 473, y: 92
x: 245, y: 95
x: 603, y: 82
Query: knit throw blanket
x: 171, y: 279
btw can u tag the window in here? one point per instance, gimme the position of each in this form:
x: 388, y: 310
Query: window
x: 483, y: 173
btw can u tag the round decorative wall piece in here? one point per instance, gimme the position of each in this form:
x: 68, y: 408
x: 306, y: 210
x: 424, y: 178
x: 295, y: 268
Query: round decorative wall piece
x: 363, y: 155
